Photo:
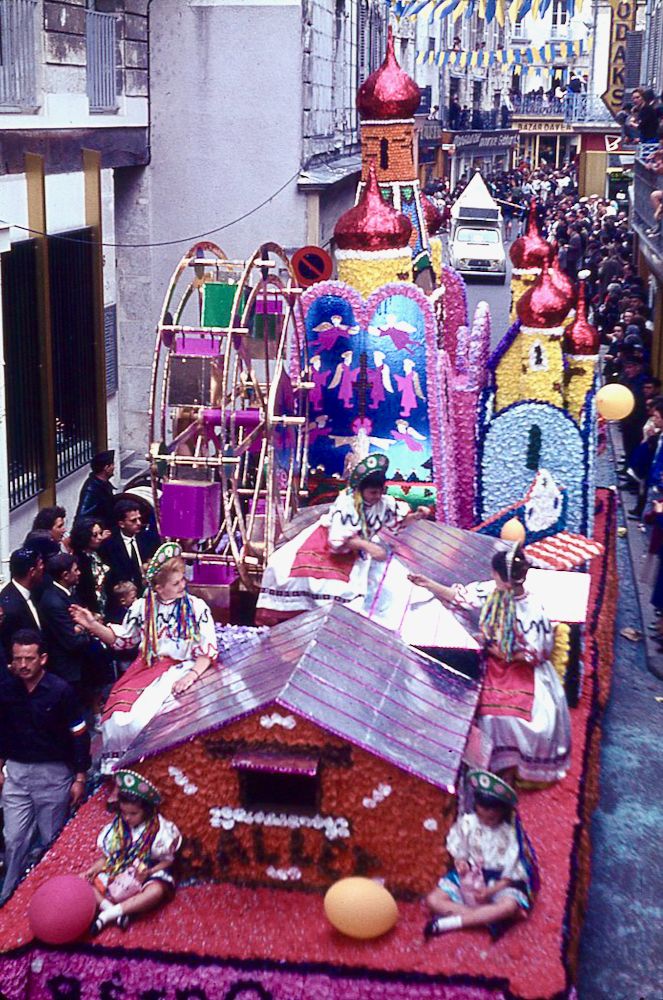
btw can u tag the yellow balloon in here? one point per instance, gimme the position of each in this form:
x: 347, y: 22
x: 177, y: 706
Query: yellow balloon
x: 614, y: 401
x: 360, y: 907
x: 513, y: 531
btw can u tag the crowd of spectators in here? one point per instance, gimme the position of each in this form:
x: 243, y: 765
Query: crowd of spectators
x: 53, y: 673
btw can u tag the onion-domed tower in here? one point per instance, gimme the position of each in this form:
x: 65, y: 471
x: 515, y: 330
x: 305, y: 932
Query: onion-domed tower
x: 533, y: 366
x: 373, y: 241
x: 387, y: 101
x: 528, y: 254
x: 581, y: 350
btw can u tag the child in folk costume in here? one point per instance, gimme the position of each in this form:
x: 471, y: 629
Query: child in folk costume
x: 495, y: 874
x: 333, y: 559
x: 138, y: 847
x: 177, y: 641
x: 522, y: 707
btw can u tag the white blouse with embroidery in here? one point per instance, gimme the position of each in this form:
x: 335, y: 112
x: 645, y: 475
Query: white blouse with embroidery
x: 534, y: 634
x: 486, y: 847
x: 345, y: 522
x: 130, y: 632
x: 165, y: 846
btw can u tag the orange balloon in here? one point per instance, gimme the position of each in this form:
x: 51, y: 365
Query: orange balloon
x: 360, y: 908
x: 614, y: 401
x: 513, y: 530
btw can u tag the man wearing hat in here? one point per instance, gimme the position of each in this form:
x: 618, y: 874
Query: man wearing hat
x: 96, y: 496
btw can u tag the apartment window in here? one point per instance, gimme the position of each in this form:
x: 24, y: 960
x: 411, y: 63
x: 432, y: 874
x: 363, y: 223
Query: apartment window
x: 560, y: 13
x: 20, y: 321
x: 18, y: 54
x: 70, y: 263
x: 101, y: 45
x: 431, y: 44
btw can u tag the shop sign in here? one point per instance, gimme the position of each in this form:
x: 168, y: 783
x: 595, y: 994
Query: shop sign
x: 550, y: 128
x: 622, y: 21
x: 485, y: 140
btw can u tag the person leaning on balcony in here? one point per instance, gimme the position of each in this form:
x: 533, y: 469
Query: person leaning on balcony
x: 645, y: 117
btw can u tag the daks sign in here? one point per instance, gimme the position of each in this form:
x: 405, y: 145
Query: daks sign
x: 622, y: 21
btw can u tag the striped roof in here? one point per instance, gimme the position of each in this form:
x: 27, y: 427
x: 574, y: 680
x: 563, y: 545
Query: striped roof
x: 446, y: 554
x: 346, y: 674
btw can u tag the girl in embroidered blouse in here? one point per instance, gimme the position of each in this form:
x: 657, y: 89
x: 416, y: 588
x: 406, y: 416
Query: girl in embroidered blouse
x: 495, y: 874
x: 177, y: 641
x: 138, y: 849
x: 334, y: 558
x: 522, y: 707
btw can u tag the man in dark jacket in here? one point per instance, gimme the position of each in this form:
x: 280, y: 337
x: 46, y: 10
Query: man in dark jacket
x: 69, y: 648
x: 26, y: 568
x: 127, y: 549
x: 96, y: 496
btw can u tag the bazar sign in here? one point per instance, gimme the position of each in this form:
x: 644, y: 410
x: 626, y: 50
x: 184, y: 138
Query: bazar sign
x: 485, y: 140
x: 621, y: 22
x: 541, y: 126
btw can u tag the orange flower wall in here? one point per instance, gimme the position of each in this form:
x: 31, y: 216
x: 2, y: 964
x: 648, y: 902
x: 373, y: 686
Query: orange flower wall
x: 399, y: 837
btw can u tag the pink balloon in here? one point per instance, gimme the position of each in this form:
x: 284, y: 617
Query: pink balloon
x: 62, y: 909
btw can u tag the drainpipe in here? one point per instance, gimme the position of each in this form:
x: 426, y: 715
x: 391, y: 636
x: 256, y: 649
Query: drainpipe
x: 5, y: 548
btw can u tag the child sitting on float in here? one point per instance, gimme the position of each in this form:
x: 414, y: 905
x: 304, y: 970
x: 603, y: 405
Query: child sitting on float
x: 333, y: 559
x: 495, y: 874
x: 138, y: 848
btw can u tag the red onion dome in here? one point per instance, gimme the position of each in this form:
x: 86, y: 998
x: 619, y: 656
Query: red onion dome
x: 582, y: 337
x: 432, y: 215
x: 388, y: 92
x: 561, y: 280
x: 544, y: 305
x: 372, y: 224
x: 531, y: 249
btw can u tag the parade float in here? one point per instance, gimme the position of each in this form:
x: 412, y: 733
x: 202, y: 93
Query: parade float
x: 335, y: 744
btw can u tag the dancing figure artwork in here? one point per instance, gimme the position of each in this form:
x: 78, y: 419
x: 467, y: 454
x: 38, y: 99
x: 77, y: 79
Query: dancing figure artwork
x: 370, y: 371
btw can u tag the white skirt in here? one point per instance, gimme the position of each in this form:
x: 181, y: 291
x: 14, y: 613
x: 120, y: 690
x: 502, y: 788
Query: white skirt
x: 121, y: 729
x: 280, y: 591
x: 540, y: 749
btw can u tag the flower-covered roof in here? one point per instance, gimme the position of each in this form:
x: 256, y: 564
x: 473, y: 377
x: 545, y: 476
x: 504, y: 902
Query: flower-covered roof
x: 372, y: 224
x: 530, y: 250
x: 582, y: 338
x: 388, y: 92
x: 544, y: 304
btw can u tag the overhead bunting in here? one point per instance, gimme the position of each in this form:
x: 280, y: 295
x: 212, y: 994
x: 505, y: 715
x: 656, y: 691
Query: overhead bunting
x: 521, y: 56
x: 489, y: 10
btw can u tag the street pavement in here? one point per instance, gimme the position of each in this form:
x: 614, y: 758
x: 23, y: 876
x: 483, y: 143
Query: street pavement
x: 621, y: 955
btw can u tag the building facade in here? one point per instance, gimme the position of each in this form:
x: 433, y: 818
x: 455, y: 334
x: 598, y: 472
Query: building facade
x: 73, y: 116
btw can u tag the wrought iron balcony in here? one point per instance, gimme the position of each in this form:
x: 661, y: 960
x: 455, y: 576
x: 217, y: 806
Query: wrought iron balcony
x: 585, y: 108
x: 476, y: 120
x: 534, y: 105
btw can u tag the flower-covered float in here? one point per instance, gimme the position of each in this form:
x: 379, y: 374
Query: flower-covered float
x: 332, y: 746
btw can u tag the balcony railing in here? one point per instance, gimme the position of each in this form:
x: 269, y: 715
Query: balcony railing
x: 536, y: 105
x: 585, y: 108
x: 560, y: 30
x: 18, y: 54
x: 476, y: 120
x: 646, y: 181
x: 101, y: 61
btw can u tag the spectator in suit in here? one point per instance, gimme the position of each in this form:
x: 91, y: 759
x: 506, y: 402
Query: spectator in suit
x: 69, y: 648
x: 126, y: 550
x: 87, y: 536
x: 44, y: 753
x: 26, y: 569
x: 51, y: 519
x: 96, y: 496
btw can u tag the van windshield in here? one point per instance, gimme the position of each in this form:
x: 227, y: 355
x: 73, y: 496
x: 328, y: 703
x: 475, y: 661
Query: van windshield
x: 477, y: 236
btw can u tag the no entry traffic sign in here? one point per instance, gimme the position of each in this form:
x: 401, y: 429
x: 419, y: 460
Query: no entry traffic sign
x: 311, y: 264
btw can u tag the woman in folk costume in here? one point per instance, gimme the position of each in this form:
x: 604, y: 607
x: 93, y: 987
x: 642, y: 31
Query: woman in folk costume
x: 522, y: 707
x: 334, y: 558
x: 138, y: 848
x: 175, y: 632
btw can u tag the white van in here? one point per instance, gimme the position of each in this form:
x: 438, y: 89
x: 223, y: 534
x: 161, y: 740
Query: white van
x: 476, y: 245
